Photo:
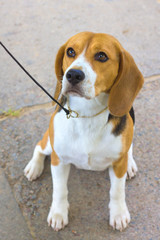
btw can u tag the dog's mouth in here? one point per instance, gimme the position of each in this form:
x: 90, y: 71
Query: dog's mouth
x: 74, y: 92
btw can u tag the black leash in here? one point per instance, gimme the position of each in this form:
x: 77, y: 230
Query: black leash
x: 66, y: 110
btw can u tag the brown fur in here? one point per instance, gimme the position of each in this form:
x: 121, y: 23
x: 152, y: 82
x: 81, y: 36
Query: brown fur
x: 127, y: 85
x: 54, y: 157
x: 50, y: 133
x: 43, y: 142
x: 119, y: 76
x: 107, y: 71
x: 120, y: 166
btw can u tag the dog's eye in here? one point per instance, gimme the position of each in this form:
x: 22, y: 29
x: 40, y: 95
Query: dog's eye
x: 101, y: 56
x: 71, y: 52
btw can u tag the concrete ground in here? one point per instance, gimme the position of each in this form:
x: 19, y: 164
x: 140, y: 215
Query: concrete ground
x: 33, y: 31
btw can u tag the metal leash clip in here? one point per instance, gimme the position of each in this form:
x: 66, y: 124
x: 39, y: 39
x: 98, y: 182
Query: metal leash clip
x: 72, y: 114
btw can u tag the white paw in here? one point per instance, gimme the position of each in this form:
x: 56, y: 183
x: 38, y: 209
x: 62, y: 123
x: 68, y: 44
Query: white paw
x: 58, y: 219
x: 132, y: 169
x: 33, y: 169
x: 119, y: 217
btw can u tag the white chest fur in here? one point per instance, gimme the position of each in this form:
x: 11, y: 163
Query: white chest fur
x: 88, y: 143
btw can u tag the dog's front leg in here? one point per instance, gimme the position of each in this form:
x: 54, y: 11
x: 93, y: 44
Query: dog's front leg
x: 58, y: 215
x: 119, y: 214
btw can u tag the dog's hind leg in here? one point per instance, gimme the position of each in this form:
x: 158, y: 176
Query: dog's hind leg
x: 132, y: 167
x: 35, y: 166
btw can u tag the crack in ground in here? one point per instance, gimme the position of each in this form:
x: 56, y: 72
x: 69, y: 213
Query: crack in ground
x: 27, y: 109
x: 152, y: 78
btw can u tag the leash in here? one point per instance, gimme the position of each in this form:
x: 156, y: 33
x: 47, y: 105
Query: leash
x: 68, y: 112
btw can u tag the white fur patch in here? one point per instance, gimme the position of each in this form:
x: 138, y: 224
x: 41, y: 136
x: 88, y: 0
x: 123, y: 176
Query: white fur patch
x: 35, y: 166
x: 87, y: 143
x: 87, y: 85
x: 58, y: 214
x: 132, y: 167
x: 119, y: 214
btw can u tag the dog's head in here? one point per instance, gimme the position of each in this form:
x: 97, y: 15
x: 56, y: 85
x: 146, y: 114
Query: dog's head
x: 91, y: 63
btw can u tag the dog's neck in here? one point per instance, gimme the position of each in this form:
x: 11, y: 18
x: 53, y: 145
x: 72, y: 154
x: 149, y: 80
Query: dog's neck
x: 88, y: 107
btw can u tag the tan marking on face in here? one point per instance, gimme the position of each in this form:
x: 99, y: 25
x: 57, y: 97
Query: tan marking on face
x: 93, y: 43
x: 54, y: 157
x: 118, y: 76
x: 106, y: 71
x: 78, y: 42
x: 120, y: 166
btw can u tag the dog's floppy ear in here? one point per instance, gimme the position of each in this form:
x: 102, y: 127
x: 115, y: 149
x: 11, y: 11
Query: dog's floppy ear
x: 59, y: 70
x: 127, y: 85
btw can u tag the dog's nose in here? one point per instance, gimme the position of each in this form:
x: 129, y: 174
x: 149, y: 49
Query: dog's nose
x: 75, y: 76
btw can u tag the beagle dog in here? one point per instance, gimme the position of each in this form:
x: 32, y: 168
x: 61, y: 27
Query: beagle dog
x: 98, y: 80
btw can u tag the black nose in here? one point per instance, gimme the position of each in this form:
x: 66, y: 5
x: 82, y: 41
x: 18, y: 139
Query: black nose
x: 75, y: 76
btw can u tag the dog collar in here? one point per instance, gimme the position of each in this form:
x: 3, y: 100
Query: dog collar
x: 74, y: 114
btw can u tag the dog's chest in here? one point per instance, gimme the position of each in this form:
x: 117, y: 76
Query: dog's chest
x: 86, y: 143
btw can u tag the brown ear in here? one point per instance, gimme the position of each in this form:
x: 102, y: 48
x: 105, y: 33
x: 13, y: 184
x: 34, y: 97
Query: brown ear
x: 127, y: 85
x: 59, y: 70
